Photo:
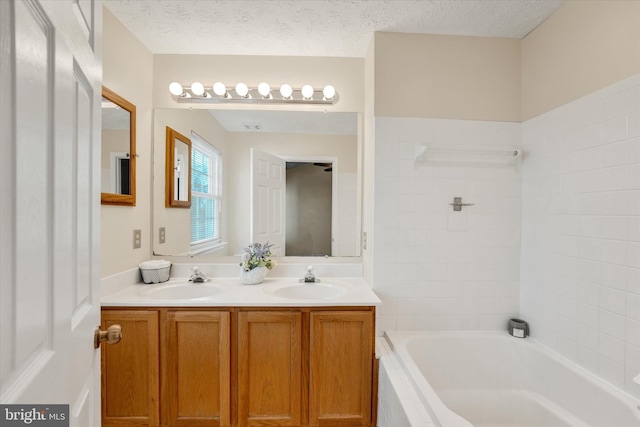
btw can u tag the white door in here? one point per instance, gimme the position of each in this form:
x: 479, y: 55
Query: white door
x: 50, y: 68
x: 268, y: 202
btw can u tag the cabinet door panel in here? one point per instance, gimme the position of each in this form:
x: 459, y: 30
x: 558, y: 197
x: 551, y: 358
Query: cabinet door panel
x: 341, y: 357
x: 196, y: 352
x: 130, y: 388
x: 269, y: 368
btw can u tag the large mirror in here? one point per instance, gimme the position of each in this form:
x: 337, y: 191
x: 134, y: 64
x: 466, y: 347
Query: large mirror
x: 118, y: 160
x: 290, y: 178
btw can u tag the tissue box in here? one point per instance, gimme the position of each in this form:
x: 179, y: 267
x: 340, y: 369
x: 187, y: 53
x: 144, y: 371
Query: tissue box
x: 156, y: 271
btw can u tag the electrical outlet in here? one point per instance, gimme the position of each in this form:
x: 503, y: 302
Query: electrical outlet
x: 137, y: 239
x: 162, y: 236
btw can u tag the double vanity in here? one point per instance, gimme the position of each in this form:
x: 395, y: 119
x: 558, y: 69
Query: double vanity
x: 219, y: 353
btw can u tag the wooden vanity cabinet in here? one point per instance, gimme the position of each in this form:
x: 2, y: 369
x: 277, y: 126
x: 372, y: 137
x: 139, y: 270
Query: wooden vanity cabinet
x: 240, y: 367
x: 269, y: 368
x: 341, y: 359
x: 196, y: 368
x: 130, y: 370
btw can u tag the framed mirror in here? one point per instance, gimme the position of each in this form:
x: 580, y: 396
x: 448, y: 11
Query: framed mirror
x: 321, y: 154
x: 178, y: 170
x: 118, y: 164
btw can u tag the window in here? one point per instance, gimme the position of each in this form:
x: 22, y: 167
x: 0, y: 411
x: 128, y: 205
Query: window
x: 206, y: 194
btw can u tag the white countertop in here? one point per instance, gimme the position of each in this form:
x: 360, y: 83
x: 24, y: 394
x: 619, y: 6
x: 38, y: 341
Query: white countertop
x: 230, y: 292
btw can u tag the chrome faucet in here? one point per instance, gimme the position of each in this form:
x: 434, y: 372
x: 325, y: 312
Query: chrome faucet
x: 310, y: 277
x: 197, y: 276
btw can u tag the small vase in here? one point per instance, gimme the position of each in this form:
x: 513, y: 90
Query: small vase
x: 253, y: 276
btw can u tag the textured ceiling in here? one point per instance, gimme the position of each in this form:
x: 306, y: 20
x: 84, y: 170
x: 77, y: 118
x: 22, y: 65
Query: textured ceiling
x: 337, y: 28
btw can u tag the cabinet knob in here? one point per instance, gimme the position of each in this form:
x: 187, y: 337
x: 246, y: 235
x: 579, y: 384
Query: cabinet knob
x: 112, y: 335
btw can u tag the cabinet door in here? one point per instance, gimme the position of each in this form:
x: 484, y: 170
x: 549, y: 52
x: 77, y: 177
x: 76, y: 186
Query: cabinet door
x: 130, y: 371
x: 196, y: 369
x: 269, y: 368
x: 341, y: 357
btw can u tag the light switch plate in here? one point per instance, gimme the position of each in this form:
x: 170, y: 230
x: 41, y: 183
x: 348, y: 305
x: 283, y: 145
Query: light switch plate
x: 137, y: 239
x: 161, y: 235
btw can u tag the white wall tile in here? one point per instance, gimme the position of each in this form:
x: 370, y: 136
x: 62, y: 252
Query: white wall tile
x: 613, y: 300
x: 602, y: 275
x: 611, y: 371
x: 556, y: 241
x: 460, y: 256
x: 633, y: 123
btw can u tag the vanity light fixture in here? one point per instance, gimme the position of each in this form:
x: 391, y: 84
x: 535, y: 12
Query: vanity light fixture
x: 329, y: 92
x: 242, y: 90
x: 220, y: 89
x: 176, y: 89
x: 265, y: 90
x: 197, y: 92
x: 307, y: 91
x: 286, y: 91
x: 197, y: 88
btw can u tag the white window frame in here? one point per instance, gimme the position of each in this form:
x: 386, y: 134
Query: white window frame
x: 208, y: 245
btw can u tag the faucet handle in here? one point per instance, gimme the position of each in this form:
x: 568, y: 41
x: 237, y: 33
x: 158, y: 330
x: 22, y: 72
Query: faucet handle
x: 310, y: 277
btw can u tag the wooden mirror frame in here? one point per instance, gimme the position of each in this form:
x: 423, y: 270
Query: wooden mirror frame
x: 170, y: 197
x: 124, y: 199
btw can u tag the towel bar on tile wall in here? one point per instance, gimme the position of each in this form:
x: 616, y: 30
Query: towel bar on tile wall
x: 467, y: 156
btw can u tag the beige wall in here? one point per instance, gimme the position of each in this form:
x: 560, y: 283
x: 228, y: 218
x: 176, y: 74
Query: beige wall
x: 127, y: 67
x: 448, y: 77
x: 345, y: 74
x: 113, y: 140
x: 177, y: 221
x: 583, y: 47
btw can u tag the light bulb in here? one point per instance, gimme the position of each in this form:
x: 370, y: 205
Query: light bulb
x: 286, y: 91
x: 329, y: 92
x: 242, y: 90
x: 197, y: 88
x: 219, y: 89
x: 307, y: 91
x: 176, y: 89
x: 264, y: 89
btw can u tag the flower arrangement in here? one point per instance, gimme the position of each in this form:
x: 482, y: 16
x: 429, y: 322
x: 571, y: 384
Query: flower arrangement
x: 257, y: 255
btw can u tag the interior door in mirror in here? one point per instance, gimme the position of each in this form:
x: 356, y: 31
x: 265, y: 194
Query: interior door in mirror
x: 118, y: 159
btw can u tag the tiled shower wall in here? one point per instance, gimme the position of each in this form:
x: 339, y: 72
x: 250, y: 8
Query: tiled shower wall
x: 434, y: 268
x: 580, y: 270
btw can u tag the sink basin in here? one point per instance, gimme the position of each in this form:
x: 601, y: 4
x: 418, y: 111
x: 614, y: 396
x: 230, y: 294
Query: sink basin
x: 308, y: 291
x: 181, y: 291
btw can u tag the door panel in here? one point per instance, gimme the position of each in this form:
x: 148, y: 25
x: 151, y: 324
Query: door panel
x: 34, y: 49
x: 267, y: 201
x: 49, y: 265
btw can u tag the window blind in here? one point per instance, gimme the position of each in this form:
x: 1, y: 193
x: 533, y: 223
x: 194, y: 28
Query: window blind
x: 206, y: 192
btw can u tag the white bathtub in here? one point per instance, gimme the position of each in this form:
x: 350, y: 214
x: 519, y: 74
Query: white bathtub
x: 485, y: 379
